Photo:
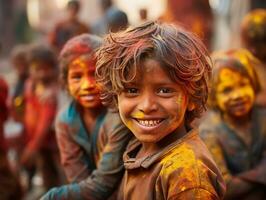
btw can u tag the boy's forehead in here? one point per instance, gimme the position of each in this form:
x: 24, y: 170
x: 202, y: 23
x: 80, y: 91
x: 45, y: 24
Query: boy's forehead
x: 36, y: 65
x: 227, y: 75
x: 83, y: 61
x: 144, y: 67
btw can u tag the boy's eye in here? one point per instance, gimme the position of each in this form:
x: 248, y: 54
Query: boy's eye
x: 226, y: 90
x: 164, y: 90
x: 243, y: 84
x: 75, y: 76
x: 131, y: 90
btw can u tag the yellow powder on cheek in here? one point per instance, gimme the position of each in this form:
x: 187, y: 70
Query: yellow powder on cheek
x: 138, y: 115
x: 73, y: 90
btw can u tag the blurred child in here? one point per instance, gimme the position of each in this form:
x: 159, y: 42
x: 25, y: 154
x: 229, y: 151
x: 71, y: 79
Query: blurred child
x: 9, y: 186
x: 253, y: 35
x: 40, y: 111
x: 156, y: 75
x: 69, y: 27
x: 235, y: 132
x: 116, y: 20
x: 91, y: 139
x: 19, y: 61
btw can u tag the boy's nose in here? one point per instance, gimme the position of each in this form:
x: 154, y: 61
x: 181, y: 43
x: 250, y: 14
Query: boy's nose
x: 237, y: 94
x: 88, y: 83
x: 148, y: 104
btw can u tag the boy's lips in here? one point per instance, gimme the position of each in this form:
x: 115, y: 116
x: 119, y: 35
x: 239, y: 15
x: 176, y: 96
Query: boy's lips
x: 239, y: 104
x: 88, y: 97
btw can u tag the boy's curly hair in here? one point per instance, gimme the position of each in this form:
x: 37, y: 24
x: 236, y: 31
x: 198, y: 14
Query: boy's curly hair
x: 240, y: 60
x: 82, y: 45
x: 180, y: 53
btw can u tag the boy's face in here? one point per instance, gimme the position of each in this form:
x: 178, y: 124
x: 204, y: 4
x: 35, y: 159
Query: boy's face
x: 234, y: 93
x: 41, y: 72
x: 152, y: 106
x: 81, y: 82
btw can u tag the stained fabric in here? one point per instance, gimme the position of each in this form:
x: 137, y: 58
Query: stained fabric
x: 182, y: 170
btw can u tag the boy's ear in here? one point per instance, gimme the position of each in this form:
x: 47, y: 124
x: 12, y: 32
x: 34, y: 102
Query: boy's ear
x: 191, y: 106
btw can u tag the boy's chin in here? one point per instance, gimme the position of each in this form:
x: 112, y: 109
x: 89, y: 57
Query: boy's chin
x: 91, y: 105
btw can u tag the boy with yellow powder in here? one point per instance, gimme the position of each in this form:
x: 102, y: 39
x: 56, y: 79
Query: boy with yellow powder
x: 235, y: 132
x: 156, y: 75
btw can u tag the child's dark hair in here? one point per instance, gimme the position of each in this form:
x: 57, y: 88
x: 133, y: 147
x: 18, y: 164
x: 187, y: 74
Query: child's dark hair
x: 116, y: 19
x: 42, y: 53
x: 239, y: 60
x: 20, y: 52
x: 82, y: 45
x: 253, y: 33
x: 73, y: 4
x: 182, y: 55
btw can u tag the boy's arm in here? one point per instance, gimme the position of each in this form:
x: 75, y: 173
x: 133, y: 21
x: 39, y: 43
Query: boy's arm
x: 71, y: 154
x: 234, y: 183
x: 257, y: 174
x: 103, y: 180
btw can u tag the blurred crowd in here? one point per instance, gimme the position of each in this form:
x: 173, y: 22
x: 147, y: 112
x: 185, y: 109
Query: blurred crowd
x: 37, y: 151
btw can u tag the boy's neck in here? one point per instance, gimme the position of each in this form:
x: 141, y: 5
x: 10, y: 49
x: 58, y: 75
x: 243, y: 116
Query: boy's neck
x: 149, y: 148
x: 92, y: 113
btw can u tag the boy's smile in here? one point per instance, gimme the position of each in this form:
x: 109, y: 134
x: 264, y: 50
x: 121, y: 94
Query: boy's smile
x: 81, y: 83
x: 152, y: 105
x: 234, y: 93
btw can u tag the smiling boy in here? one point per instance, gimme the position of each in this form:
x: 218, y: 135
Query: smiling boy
x: 156, y: 75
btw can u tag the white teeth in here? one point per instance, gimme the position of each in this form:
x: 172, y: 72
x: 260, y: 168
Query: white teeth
x: 149, y: 122
x: 88, y: 98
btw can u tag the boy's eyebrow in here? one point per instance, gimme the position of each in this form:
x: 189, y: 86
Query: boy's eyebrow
x: 133, y: 82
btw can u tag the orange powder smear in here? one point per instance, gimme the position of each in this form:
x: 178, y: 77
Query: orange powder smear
x: 181, y: 163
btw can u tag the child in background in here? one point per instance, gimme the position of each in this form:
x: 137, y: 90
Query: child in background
x: 235, y: 131
x: 19, y: 61
x: 156, y: 75
x: 90, y: 138
x: 9, y: 185
x: 40, y: 110
x: 253, y: 36
x: 69, y: 27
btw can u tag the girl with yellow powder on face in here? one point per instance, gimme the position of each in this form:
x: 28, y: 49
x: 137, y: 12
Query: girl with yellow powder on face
x: 235, y: 131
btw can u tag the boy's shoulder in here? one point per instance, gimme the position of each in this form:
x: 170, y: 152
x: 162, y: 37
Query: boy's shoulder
x: 190, y: 165
x: 113, y: 127
x: 188, y: 151
x: 112, y: 119
x: 211, y: 123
